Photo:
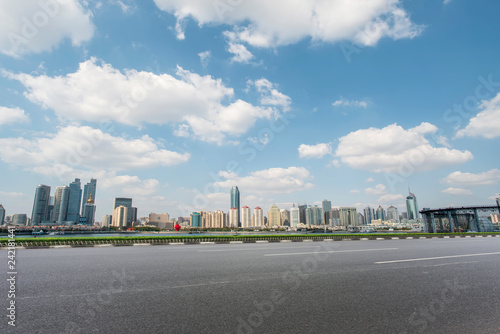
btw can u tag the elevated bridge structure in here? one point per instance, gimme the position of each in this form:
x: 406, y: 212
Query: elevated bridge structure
x: 459, y: 219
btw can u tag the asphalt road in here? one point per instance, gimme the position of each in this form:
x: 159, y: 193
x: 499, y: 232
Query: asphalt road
x: 389, y: 286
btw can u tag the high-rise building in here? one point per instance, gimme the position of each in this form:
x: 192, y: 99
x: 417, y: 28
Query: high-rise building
x: 235, y: 202
x: 246, y: 217
x: 258, y: 217
x: 361, y: 219
x: 2, y: 214
x: 40, y: 205
x: 234, y: 214
x: 334, y: 217
x: 106, y: 220
x: 314, y: 215
x: 369, y: 214
x: 392, y: 214
x: 411, y: 206
x: 61, y: 200
x: 285, y: 217
x: 89, y: 211
x: 326, y: 205
x: 294, y: 216
x: 126, y: 202
x: 119, y: 218
x: 302, y: 213
x: 74, y: 201
x: 195, y: 219
x: 133, y: 216
x: 19, y: 219
x: 273, y: 216
x: 89, y: 190
x: 498, y: 203
x: 348, y: 216
x: 380, y: 214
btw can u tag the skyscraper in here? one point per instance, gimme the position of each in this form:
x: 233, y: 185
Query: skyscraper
x: 119, y: 218
x: 348, y: 216
x: 61, y: 200
x: 89, y: 190
x: 74, y: 201
x: 40, y: 205
x: 393, y: 214
x: 195, y: 219
x: 380, y: 213
x: 273, y: 216
x: 2, y: 214
x: 314, y: 215
x: 258, y: 217
x: 326, y: 205
x: 235, y: 202
x: 294, y: 216
x: 285, y: 217
x: 126, y: 202
x: 246, y: 217
x: 369, y: 214
x: 89, y: 211
x: 411, y: 206
x: 234, y: 214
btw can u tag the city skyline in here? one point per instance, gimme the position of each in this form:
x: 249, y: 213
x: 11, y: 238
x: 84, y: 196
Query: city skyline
x: 174, y: 110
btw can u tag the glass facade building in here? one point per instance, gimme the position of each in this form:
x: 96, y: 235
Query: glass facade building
x: 40, y: 205
x: 411, y: 206
x: 89, y: 191
x: 235, y: 201
x: 74, y: 201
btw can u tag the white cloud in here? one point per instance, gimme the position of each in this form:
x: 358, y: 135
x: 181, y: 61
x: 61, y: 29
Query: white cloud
x: 470, y: 179
x: 390, y: 198
x: 314, y: 151
x: 205, y: 57
x: 486, y: 123
x: 268, y: 181
x: 127, y: 185
x: 270, y: 96
x: 370, y: 179
x: 74, y: 149
x: 239, y: 51
x: 378, y: 190
x: 32, y: 26
x: 396, y: 150
x: 457, y: 191
x: 12, y: 115
x: 257, y: 23
x: 97, y: 91
x: 350, y: 103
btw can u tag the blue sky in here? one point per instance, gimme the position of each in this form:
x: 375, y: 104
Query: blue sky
x: 173, y: 102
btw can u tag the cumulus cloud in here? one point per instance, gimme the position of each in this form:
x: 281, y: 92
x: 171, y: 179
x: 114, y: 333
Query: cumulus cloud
x: 32, y: 26
x: 83, y: 148
x: 256, y: 23
x: 205, y: 57
x: 270, y: 95
x: 390, y: 198
x: 470, y: 179
x: 194, y: 103
x: 393, y: 149
x: 486, y: 123
x: 314, y: 151
x: 268, y: 181
x: 350, y: 103
x: 378, y: 190
x: 457, y: 191
x: 12, y: 115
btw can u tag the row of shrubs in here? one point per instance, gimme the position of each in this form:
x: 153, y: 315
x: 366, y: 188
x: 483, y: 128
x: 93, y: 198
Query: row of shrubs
x: 216, y: 238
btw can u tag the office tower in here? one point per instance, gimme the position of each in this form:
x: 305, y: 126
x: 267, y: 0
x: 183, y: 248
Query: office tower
x: 294, y: 216
x: 126, y: 202
x: 119, y: 218
x: 235, y: 202
x: 380, y: 213
x: 74, y: 201
x: 334, y: 217
x: 258, y: 217
x: 89, y: 190
x: 61, y: 200
x: 369, y: 214
x: 2, y: 214
x: 285, y: 217
x: 246, y: 217
x: 234, y: 214
x: 273, y: 216
x: 106, y: 220
x: 314, y: 215
x: 411, y: 206
x: 326, y: 205
x: 361, y: 219
x: 302, y: 213
x: 195, y: 219
x: 392, y: 214
x: 40, y: 205
x: 89, y: 211
x: 133, y: 216
x: 348, y: 216
x: 19, y: 219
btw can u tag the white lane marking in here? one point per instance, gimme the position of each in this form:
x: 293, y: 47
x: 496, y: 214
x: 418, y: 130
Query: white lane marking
x: 327, y: 252
x: 452, y: 263
x: 438, y: 257
x: 252, y: 249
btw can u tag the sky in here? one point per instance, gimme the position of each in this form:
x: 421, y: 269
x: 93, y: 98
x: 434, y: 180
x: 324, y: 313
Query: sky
x: 173, y: 102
